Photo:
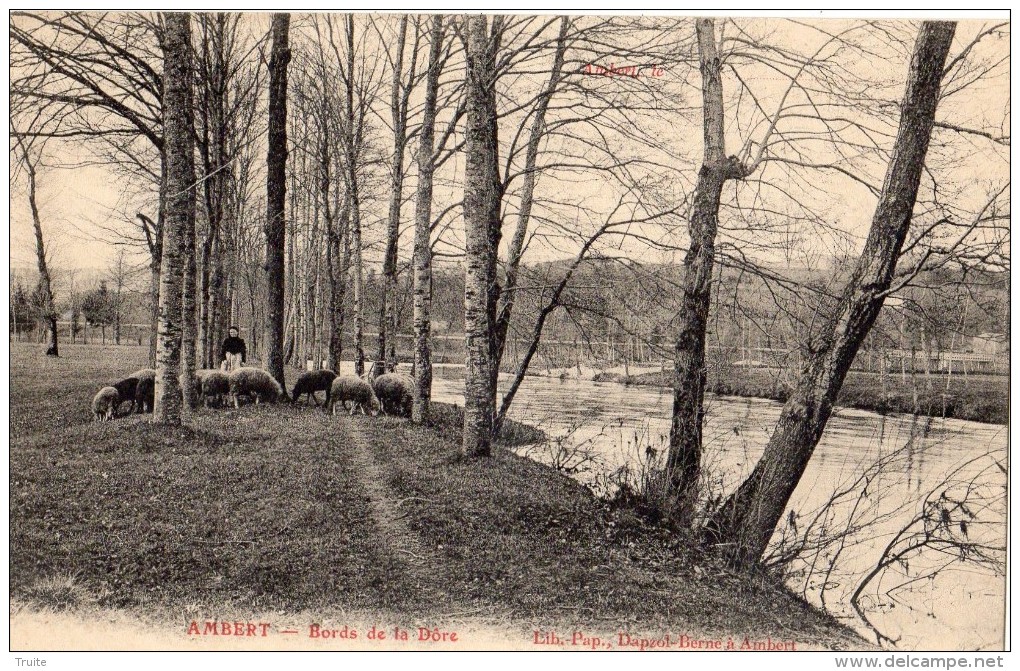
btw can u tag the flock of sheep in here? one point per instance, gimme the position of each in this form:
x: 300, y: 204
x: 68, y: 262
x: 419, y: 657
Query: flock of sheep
x: 391, y: 393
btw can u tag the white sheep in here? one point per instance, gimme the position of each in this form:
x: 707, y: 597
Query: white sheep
x: 254, y: 382
x: 104, y: 405
x: 214, y: 384
x: 352, y: 388
x: 395, y: 392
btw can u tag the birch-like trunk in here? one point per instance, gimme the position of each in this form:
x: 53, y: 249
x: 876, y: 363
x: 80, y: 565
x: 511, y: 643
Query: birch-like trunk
x: 355, y: 208
x: 153, y: 231
x: 399, y: 97
x: 340, y: 251
x: 180, y: 214
x: 481, y: 222
x: 422, y: 257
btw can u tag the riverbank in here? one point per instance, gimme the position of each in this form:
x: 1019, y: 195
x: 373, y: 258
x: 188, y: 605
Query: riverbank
x: 977, y: 398
x: 288, y: 517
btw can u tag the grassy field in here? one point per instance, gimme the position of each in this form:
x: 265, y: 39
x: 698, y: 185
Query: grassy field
x: 979, y: 398
x: 284, y: 509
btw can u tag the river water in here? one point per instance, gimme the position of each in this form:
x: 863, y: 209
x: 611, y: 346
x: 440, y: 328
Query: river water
x: 599, y: 427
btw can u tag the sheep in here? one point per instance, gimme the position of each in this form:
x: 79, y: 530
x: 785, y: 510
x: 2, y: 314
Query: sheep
x: 311, y: 382
x: 352, y: 388
x: 144, y: 373
x: 145, y: 389
x: 214, y: 384
x: 254, y: 382
x: 395, y: 392
x: 145, y: 394
x: 126, y: 388
x: 104, y: 405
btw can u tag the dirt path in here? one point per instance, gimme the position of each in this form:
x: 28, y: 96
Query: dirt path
x: 390, y: 518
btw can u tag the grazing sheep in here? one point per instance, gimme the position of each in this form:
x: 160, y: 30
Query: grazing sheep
x: 146, y: 389
x: 104, y: 405
x: 395, y: 392
x: 145, y: 394
x: 311, y: 382
x: 144, y: 373
x: 254, y: 382
x: 126, y: 388
x: 352, y: 388
x: 214, y: 384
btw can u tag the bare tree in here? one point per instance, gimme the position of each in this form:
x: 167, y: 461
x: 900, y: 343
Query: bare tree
x: 422, y: 259
x: 101, y: 73
x: 747, y: 519
x: 482, y: 196
x: 180, y: 218
x: 120, y: 273
x: 684, y: 460
x: 276, y: 195
x: 400, y: 97
x: 227, y: 86
x: 28, y: 160
x: 538, y: 130
x: 354, y: 128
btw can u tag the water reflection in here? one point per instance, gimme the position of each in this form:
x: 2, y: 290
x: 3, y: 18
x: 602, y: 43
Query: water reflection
x: 960, y: 610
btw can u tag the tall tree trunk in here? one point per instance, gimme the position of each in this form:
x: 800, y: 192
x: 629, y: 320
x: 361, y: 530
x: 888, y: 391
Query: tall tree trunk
x: 399, y: 97
x: 516, y: 250
x: 482, y: 195
x: 205, y: 301
x: 683, y: 462
x: 335, y: 264
x: 293, y: 304
x: 180, y: 214
x: 299, y: 203
x: 154, y: 267
x: 217, y: 295
x: 276, y: 196
x: 422, y: 255
x: 495, y: 203
x: 354, y: 199
x: 746, y: 521
x: 358, y: 284
x: 48, y: 312
x: 117, y: 308
x: 311, y: 267
x: 215, y: 159
x: 340, y: 250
